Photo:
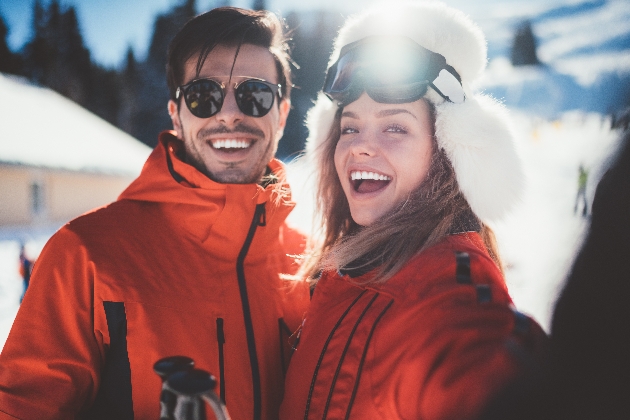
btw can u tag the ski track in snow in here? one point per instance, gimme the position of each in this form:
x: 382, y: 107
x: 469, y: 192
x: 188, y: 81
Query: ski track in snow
x: 537, y: 241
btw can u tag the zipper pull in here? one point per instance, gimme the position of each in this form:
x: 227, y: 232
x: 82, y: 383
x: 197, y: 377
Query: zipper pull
x: 262, y: 215
x: 220, y: 334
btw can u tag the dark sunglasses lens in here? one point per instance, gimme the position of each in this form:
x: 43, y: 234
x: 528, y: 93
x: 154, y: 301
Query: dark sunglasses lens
x: 254, y: 98
x: 204, y: 98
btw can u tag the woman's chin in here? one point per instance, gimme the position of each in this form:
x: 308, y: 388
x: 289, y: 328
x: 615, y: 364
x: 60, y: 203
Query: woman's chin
x: 366, y: 217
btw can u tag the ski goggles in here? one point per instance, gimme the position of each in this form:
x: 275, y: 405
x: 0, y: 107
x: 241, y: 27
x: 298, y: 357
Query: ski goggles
x: 390, y: 70
x: 204, y: 97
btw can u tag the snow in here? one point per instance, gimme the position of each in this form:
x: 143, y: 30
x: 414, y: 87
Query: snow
x: 539, y: 239
x: 562, y: 35
x: 588, y: 68
x: 10, y: 286
x: 29, y: 114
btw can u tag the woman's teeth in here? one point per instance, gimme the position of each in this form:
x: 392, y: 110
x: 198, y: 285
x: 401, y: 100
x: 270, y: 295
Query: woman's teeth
x: 356, y: 175
x: 231, y: 144
x: 368, y: 182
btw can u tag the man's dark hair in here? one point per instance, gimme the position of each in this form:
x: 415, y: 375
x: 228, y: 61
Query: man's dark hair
x: 228, y: 26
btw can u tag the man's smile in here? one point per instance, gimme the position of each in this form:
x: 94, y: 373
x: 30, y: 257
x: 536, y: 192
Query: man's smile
x: 231, y: 144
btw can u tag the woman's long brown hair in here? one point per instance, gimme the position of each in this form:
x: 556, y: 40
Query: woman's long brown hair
x: 432, y: 211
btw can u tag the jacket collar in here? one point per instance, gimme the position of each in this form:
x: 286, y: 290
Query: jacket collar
x: 215, y: 213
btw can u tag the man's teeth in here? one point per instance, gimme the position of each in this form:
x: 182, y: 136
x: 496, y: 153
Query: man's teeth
x: 231, y: 144
x: 354, y: 175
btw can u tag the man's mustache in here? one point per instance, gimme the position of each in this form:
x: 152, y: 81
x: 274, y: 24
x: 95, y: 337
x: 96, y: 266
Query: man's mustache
x: 240, y: 128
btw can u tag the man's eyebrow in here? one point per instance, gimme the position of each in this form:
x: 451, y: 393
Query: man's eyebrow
x: 395, y: 111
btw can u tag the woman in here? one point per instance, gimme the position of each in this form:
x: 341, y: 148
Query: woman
x: 410, y: 317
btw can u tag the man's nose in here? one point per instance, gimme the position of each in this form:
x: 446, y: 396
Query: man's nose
x: 230, y: 113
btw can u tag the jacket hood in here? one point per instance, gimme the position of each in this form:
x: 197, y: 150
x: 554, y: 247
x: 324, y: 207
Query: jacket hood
x: 218, y: 215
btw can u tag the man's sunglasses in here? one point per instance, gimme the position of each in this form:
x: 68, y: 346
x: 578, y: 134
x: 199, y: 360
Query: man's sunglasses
x: 204, y: 97
x: 392, y: 70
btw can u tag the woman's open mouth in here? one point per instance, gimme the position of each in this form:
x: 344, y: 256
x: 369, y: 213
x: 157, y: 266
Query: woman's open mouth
x: 367, y: 182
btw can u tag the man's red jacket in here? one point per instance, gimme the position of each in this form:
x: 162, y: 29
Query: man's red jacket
x: 178, y: 265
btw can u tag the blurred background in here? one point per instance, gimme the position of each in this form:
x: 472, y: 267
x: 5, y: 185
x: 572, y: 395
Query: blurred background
x: 83, y: 96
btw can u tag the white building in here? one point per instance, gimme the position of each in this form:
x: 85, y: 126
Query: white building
x: 58, y: 160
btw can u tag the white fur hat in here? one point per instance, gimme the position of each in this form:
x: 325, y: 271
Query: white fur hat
x: 476, y: 134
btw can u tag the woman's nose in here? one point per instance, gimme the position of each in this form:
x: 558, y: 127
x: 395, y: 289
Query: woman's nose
x: 363, y: 145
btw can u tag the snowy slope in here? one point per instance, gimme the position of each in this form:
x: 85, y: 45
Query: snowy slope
x: 539, y: 239
x: 585, y: 50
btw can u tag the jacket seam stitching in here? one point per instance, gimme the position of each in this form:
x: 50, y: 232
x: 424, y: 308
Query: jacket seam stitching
x: 321, y: 356
x: 344, y: 352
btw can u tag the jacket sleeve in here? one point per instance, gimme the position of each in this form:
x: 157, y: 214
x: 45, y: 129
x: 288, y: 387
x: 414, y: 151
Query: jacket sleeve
x: 50, y: 364
x: 475, y: 345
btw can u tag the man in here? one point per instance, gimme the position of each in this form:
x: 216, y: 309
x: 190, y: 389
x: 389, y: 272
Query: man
x: 26, y: 268
x: 581, y: 192
x: 188, y: 261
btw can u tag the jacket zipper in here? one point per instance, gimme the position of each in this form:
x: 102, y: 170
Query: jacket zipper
x: 283, y: 330
x: 221, y: 341
x: 260, y: 219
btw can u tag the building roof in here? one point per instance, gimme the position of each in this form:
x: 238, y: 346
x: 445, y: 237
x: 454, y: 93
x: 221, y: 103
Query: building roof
x: 39, y: 127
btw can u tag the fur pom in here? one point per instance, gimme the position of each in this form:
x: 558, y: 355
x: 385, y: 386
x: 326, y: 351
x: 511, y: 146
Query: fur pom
x: 319, y: 120
x: 477, y: 139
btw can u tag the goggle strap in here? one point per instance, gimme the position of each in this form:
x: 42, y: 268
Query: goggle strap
x: 451, y: 70
x: 439, y: 92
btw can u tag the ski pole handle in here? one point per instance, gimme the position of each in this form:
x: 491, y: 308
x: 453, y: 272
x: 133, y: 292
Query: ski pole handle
x: 164, y: 368
x: 220, y: 410
x: 193, y: 388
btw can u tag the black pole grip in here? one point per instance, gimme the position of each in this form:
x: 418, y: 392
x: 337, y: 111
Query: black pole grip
x: 164, y: 368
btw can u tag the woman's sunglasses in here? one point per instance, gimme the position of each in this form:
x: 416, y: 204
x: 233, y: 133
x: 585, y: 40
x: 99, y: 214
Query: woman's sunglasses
x: 390, y: 69
x: 204, y: 97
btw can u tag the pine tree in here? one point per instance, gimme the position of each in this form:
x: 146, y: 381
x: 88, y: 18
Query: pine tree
x: 259, y: 5
x: 310, y: 50
x: 38, y: 51
x: 9, y: 62
x: 524, y: 46
x: 56, y: 56
x: 129, y: 79
x: 151, y: 116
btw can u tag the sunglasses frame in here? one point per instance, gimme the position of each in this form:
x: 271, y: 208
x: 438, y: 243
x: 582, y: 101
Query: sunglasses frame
x: 276, y: 89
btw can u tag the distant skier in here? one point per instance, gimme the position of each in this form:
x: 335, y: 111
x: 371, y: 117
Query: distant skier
x: 581, y: 193
x: 26, y: 267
